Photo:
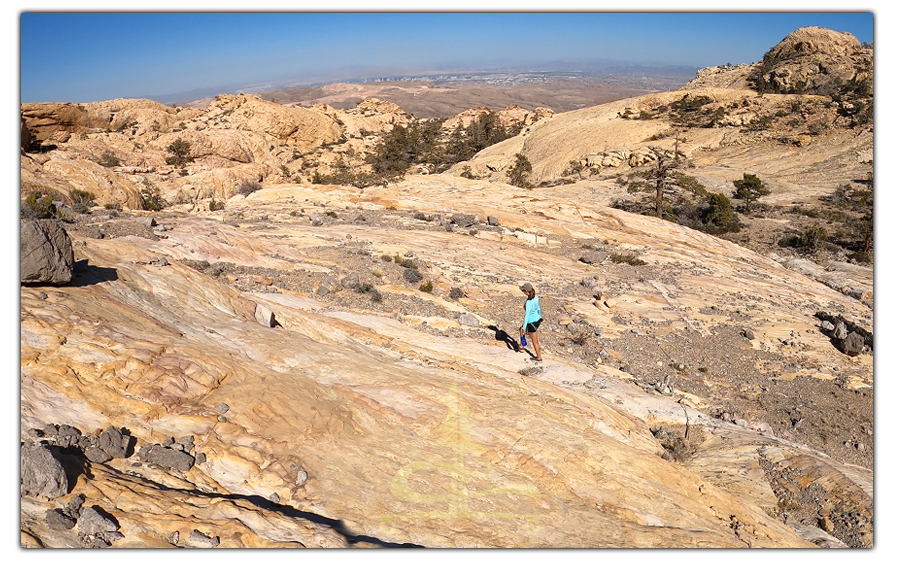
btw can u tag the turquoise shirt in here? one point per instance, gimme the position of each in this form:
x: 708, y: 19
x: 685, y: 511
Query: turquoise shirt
x: 532, y: 311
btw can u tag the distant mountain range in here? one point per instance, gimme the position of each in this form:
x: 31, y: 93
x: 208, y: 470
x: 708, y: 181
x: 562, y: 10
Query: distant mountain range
x: 677, y: 75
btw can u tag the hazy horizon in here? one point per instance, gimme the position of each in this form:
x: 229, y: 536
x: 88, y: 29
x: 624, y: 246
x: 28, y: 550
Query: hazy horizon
x: 96, y: 56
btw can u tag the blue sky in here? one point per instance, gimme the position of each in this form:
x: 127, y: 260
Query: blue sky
x: 94, y: 56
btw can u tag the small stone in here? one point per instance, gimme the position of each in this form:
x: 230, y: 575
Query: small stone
x: 302, y: 477
x: 467, y: 319
x: 274, y: 498
x: 93, y: 522
x: 42, y: 295
x: 198, y: 539
x: 58, y: 520
x: 222, y: 419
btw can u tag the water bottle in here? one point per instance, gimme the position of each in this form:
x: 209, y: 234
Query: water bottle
x: 522, y: 339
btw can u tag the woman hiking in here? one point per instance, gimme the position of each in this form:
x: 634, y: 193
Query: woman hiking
x: 532, y: 319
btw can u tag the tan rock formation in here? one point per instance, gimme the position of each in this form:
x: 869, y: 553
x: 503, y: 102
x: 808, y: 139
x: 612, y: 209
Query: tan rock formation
x: 405, y: 437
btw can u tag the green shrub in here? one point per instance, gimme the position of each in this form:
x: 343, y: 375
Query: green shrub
x: 181, y: 153
x: 150, y: 198
x: 427, y: 287
x: 38, y: 205
x: 719, y: 214
x: 750, y: 189
x: 82, y: 200
x: 405, y: 263
x: 519, y: 171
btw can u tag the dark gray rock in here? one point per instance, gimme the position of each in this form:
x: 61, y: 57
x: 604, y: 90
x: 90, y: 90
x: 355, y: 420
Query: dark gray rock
x: 113, y: 442
x: 748, y: 333
x: 94, y: 521
x: 45, y: 253
x: 351, y: 281
x: 111, y: 536
x: 329, y: 285
x: 493, y: 221
x: 853, y: 344
x: 463, y: 220
x: 221, y: 408
x: 169, y: 458
x: 96, y: 455
x: 58, y: 520
x: 67, y: 436
x: 42, y: 473
x: 73, y: 508
x: 187, y: 442
x: 147, y: 221
x: 593, y: 257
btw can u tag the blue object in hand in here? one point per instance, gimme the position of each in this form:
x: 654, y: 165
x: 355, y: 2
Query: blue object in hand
x: 524, y: 343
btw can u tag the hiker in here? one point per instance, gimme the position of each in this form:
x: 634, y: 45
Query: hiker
x: 532, y: 319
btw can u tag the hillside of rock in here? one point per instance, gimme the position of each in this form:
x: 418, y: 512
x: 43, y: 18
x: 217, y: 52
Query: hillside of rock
x: 261, y: 361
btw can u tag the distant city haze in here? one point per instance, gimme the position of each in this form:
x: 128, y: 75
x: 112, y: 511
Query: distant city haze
x: 178, y: 57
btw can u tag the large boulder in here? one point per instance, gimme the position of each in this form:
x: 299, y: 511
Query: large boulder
x: 45, y: 253
x: 42, y: 473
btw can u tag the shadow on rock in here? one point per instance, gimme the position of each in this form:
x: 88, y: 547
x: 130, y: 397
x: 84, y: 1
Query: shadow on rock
x: 502, y: 336
x: 86, y: 274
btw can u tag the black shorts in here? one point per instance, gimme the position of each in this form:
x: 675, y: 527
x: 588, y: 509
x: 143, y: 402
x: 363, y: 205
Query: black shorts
x: 533, y: 326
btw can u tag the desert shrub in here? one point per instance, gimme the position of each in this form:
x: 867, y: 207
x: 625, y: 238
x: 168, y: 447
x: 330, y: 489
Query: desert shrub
x: 110, y: 160
x: 427, y: 287
x: 113, y: 206
x: 386, y: 258
x: 519, y: 171
x: 215, y: 205
x: 412, y: 275
x: 248, y: 187
x: 37, y: 206
x: 456, y: 293
x: 628, y: 258
x: 82, y: 200
x: 676, y: 447
x: 405, y: 263
x: 813, y: 238
x: 150, y: 198
x: 181, y: 153
x: 467, y: 173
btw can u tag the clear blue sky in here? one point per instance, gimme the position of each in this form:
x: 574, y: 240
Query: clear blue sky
x: 94, y: 56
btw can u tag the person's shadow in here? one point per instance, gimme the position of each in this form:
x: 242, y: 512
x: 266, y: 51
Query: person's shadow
x: 510, y: 341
